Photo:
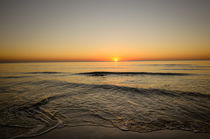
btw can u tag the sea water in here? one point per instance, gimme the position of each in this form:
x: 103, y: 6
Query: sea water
x: 139, y: 96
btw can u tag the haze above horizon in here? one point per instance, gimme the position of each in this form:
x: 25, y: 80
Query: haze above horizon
x: 104, y: 30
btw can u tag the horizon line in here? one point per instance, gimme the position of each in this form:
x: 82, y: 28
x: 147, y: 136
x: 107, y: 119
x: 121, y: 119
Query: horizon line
x: 43, y: 61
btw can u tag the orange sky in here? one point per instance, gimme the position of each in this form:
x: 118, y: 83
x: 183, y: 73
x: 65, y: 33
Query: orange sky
x: 100, y: 31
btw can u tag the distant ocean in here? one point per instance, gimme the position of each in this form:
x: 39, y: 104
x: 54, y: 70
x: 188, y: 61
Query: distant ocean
x: 140, y: 96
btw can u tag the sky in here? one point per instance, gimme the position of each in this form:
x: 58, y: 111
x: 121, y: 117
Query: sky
x: 101, y: 30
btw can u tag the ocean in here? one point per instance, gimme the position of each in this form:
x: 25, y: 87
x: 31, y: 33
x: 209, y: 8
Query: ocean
x: 140, y: 96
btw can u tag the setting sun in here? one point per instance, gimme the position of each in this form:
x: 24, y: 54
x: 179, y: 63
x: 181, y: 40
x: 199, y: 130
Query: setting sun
x: 116, y: 59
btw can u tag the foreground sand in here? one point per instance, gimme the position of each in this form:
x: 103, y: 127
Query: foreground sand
x: 94, y: 132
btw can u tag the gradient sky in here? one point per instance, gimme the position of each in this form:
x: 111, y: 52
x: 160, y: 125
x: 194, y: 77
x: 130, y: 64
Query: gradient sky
x: 86, y: 30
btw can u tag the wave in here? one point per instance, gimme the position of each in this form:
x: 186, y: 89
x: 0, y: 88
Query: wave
x: 36, y: 104
x: 185, y: 69
x: 44, y: 72
x: 13, y: 77
x: 59, y: 103
x: 103, y: 73
x: 45, y: 120
x: 145, y: 91
x: 178, y: 65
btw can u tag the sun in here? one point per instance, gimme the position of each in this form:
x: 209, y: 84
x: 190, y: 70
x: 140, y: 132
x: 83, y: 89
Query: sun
x: 116, y: 59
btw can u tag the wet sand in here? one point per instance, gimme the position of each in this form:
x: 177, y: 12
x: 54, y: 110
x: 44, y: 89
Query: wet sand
x: 95, y: 132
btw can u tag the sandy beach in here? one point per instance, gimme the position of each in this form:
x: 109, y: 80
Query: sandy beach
x: 90, y: 132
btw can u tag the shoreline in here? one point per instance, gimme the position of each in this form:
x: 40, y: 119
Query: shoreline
x: 98, y: 132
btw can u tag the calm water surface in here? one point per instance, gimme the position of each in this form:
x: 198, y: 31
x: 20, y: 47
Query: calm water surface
x: 137, y: 96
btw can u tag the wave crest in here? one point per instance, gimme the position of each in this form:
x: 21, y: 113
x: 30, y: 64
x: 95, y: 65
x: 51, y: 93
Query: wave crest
x: 103, y: 73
